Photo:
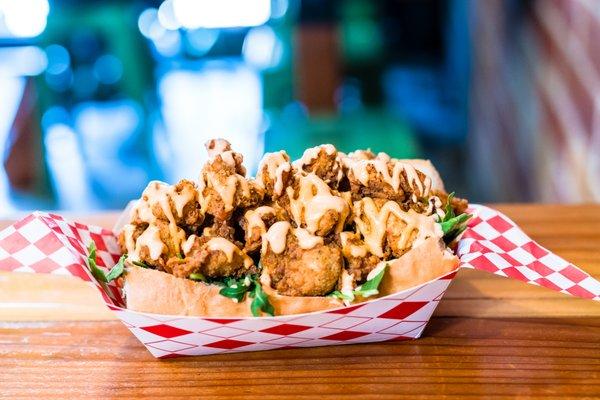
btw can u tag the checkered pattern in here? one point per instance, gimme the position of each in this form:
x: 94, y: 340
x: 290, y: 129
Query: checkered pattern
x: 46, y: 243
x: 495, y: 244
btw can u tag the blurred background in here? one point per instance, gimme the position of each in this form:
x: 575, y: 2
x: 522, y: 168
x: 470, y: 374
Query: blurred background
x: 98, y: 97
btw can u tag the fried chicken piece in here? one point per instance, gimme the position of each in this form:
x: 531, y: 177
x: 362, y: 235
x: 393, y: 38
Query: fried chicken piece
x: 152, y: 244
x: 274, y: 173
x: 255, y: 222
x: 359, y: 260
x: 298, y: 271
x: 313, y: 205
x: 388, y: 230
x: 213, y: 257
x: 391, y: 180
x: 177, y: 204
x: 222, y: 229
x: 223, y: 185
x: 322, y: 161
x: 129, y: 235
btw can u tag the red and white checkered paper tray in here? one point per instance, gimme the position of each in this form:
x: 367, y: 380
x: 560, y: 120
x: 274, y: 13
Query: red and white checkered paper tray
x: 47, y: 243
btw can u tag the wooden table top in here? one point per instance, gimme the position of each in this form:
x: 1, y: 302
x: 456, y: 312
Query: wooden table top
x: 489, y: 337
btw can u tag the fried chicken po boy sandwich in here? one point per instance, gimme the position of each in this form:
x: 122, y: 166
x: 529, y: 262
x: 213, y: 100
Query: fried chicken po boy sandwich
x: 328, y: 230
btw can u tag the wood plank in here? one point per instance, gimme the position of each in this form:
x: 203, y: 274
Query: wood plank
x: 456, y: 358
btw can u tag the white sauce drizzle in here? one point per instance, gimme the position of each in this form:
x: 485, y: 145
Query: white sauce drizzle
x: 306, y: 240
x: 360, y: 170
x: 272, y: 167
x: 352, y: 249
x: 151, y: 239
x: 372, y: 224
x: 312, y: 153
x: 162, y: 194
x: 313, y: 200
x: 276, y: 237
x: 254, y: 219
x: 187, y: 245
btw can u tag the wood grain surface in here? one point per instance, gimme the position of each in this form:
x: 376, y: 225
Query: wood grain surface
x: 490, y: 337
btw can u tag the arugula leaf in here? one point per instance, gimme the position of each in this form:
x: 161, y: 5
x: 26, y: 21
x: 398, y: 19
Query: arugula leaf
x: 260, y: 301
x: 117, y: 270
x: 140, y: 264
x: 370, y: 287
x: 340, y: 295
x: 449, y: 212
x: 235, y: 289
x: 98, y: 273
x: 197, y: 276
x: 453, y: 227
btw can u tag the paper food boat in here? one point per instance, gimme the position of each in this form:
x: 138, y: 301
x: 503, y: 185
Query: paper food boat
x: 47, y: 243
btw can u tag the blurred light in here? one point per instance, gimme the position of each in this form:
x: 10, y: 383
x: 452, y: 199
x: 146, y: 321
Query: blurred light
x: 59, y: 59
x: 108, y: 69
x: 193, y: 14
x: 149, y: 25
x: 169, y: 44
x: 166, y: 16
x: 13, y: 88
x: 25, y: 18
x: 262, y: 48
x: 84, y: 82
x: 22, y: 61
x: 59, y: 82
x: 67, y: 168
x: 202, y: 40
x: 219, y: 100
x: 279, y: 8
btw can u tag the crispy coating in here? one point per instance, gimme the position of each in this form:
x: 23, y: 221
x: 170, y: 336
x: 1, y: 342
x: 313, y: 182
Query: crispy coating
x: 171, y: 246
x: 210, y: 262
x: 322, y: 161
x: 255, y: 222
x: 358, y: 260
x: 275, y: 173
x: 181, y: 199
x: 303, y: 272
x: 223, y: 186
x: 307, y: 202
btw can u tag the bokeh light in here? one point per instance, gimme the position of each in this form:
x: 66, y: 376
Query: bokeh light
x: 25, y: 18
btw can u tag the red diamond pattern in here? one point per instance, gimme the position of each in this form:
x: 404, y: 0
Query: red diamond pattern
x: 49, y: 244
x: 228, y: 344
x: 285, y: 329
x: 345, y: 335
x: 166, y: 331
x: 14, y: 243
x: 499, y: 223
x: 404, y: 309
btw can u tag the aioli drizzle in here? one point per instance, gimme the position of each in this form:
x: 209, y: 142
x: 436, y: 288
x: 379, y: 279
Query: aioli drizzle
x: 372, y: 222
x: 314, y: 199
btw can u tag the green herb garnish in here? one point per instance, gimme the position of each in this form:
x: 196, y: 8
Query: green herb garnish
x: 341, y: 296
x: 370, y: 287
x: 260, y: 301
x: 197, y: 276
x: 237, y: 288
x: 453, y: 225
x: 367, y: 289
x: 140, y: 264
x: 98, y: 273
